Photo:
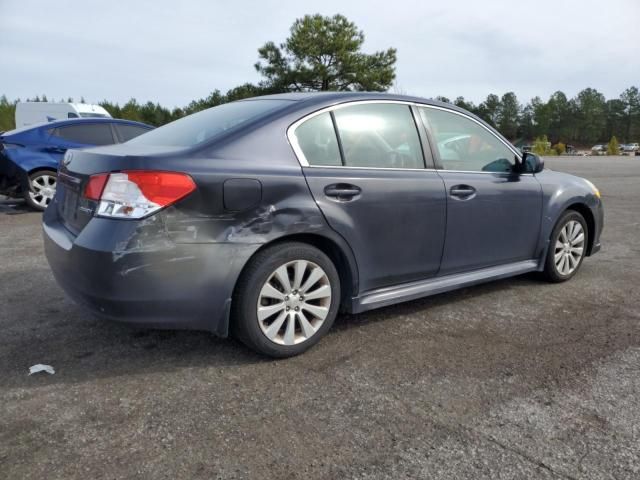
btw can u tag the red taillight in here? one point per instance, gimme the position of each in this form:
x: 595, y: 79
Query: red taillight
x: 137, y: 193
x: 96, y: 184
x: 162, y: 188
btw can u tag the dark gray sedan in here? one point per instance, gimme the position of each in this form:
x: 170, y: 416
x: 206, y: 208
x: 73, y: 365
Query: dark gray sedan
x: 267, y: 216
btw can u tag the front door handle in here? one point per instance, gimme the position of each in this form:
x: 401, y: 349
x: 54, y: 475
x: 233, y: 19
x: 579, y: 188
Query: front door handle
x: 462, y: 191
x: 342, y: 191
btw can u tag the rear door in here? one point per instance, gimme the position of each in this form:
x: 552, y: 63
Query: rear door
x: 365, y: 166
x: 493, y: 212
x: 127, y: 131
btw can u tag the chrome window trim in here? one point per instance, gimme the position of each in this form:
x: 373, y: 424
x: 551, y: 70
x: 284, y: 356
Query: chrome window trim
x: 293, y: 141
x: 375, y: 168
x: 439, y: 170
x: 484, y: 173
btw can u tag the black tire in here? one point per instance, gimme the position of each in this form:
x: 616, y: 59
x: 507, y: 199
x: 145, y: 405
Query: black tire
x: 244, y: 315
x: 551, y: 272
x: 37, y: 199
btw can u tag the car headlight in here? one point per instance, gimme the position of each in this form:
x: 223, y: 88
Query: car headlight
x: 596, y: 192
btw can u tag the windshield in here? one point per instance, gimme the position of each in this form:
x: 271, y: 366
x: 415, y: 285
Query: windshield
x: 208, y: 124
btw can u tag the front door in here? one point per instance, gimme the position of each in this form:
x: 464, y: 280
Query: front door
x: 371, y: 184
x: 493, y: 212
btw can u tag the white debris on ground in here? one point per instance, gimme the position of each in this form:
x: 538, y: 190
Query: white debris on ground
x: 41, y: 368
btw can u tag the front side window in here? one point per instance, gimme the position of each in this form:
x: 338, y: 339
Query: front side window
x: 87, y: 134
x: 465, y: 145
x: 379, y: 135
x: 317, y: 140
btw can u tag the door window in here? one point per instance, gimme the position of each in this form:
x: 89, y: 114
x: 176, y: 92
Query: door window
x: 317, y: 140
x: 380, y: 135
x: 464, y: 145
x: 86, y: 134
x: 127, y: 132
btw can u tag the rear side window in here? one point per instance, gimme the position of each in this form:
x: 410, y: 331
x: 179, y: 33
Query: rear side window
x: 88, y: 134
x: 208, y: 124
x: 317, y: 140
x: 379, y: 135
x: 127, y: 132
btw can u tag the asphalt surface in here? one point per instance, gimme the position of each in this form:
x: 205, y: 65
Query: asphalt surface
x: 514, y: 379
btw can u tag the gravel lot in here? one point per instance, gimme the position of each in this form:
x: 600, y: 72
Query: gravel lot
x: 514, y: 379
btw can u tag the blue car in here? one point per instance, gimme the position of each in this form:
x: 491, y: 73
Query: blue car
x: 29, y: 156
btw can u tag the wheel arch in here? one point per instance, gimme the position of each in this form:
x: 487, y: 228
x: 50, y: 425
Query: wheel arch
x: 42, y: 169
x: 24, y: 180
x: 340, y: 255
x: 588, y: 216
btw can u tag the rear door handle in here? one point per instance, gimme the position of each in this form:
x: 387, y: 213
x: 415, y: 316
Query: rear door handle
x: 462, y: 191
x: 342, y: 191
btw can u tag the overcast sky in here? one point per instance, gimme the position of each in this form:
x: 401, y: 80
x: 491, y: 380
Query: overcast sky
x: 175, y: 51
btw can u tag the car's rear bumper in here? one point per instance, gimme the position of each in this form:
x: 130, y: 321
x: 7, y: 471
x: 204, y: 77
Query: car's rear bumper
x: 126, y: 271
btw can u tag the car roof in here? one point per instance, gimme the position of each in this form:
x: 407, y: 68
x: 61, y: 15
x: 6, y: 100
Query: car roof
x: 318, y: 100
x: 309, y: 98
x: 294, y: 106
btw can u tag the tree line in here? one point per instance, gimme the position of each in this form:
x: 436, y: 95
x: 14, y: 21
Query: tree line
x: 584, y: 119
x: 324, y: 53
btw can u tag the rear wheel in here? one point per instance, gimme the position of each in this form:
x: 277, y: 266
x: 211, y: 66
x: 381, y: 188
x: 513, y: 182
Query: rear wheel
x: 42, y: 188
x: 567, y: 247
x: 286, y: 299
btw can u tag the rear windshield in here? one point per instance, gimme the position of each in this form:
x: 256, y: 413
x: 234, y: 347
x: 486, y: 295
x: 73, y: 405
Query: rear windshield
x: 208, y: 124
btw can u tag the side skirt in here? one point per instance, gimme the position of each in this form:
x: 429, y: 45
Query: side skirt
x: 424, y: 288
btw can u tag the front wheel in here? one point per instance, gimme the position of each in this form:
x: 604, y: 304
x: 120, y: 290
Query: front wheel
x: 286, y: 299
x: 567, y: 247
x: 42, y: 188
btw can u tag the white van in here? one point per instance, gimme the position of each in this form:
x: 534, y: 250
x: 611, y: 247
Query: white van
x: 30, y: 113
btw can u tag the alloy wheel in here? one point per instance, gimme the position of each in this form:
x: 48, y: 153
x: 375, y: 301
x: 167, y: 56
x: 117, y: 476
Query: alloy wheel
x: 42, y: 189
x: 294, y: 302
x: 569, y: 248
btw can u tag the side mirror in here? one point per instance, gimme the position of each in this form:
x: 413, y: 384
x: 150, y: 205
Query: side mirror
x: 531, y: 163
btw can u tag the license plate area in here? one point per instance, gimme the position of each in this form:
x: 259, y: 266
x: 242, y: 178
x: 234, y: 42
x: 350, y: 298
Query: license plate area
x: 69, y: 202
x: 69, y: 194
